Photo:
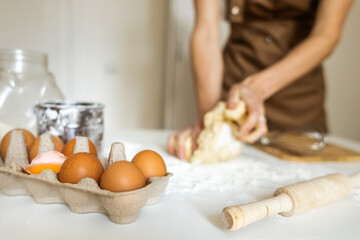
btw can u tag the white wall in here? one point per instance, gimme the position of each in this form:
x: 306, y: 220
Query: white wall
x: 99, y: 50
x: 119, y: 57
x: 343, y: 80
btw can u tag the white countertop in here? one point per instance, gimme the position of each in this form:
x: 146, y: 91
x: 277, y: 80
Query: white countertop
x: 182, y: 215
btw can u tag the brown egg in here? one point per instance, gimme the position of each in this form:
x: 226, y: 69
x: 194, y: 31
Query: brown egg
x: 122, y: 176
x: 79, y: 166
x: 69, y: 148
x: 150, y: 163
x: 29, y: 138
x: 59, y: 145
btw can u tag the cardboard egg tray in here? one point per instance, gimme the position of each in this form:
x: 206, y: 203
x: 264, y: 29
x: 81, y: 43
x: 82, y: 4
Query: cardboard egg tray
x: 83, y: 197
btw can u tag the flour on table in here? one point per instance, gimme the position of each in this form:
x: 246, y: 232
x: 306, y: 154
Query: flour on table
x: 247, y: 178
x: 356, y: 195
x: 243, y: 179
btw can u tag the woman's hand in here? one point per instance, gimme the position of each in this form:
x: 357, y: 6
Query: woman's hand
x: 255, y: 125
x: 176, y: 141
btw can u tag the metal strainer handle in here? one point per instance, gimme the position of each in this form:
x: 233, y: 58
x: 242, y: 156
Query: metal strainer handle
x: 302, y: 141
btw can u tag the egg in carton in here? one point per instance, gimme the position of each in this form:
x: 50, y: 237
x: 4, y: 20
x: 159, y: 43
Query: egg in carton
x: 83, y: 197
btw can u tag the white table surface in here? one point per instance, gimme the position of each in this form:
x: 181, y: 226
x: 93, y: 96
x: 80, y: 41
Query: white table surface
x: 177, y: 217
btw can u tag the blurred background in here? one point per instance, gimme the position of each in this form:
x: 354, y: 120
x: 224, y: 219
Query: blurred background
x: 133, y: 56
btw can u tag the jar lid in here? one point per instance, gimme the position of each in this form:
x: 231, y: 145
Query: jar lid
x: 22, y: 55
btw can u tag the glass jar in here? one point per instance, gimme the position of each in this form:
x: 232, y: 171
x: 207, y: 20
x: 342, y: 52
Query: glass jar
x: 24, y: 81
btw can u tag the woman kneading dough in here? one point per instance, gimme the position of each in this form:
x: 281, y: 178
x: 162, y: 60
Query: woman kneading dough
x: 271, y: 63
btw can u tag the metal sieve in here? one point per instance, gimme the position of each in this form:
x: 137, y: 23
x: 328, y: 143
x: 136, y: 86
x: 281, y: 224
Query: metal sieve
x: 68, y: 119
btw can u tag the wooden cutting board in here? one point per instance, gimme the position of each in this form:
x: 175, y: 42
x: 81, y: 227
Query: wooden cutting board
x: 331, y: 153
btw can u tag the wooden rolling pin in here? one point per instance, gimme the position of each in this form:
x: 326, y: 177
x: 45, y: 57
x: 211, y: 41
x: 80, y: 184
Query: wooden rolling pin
x: 292, y: 199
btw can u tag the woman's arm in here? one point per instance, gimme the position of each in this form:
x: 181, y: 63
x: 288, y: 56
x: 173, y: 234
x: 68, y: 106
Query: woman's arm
x: 300, y: 60
x: 206, y: 55
x: 207, y: 67
x: 308, y: 54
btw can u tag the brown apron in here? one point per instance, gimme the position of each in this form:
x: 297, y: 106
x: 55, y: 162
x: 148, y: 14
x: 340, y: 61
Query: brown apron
x: 262, y: 32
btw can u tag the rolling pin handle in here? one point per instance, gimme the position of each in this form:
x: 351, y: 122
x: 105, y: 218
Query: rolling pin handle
x: 236, y: 217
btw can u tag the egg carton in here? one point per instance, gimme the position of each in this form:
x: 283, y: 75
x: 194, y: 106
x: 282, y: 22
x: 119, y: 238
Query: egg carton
x: 83, y: 197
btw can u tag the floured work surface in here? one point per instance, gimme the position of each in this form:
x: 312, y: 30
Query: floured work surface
x: 331, y: 152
